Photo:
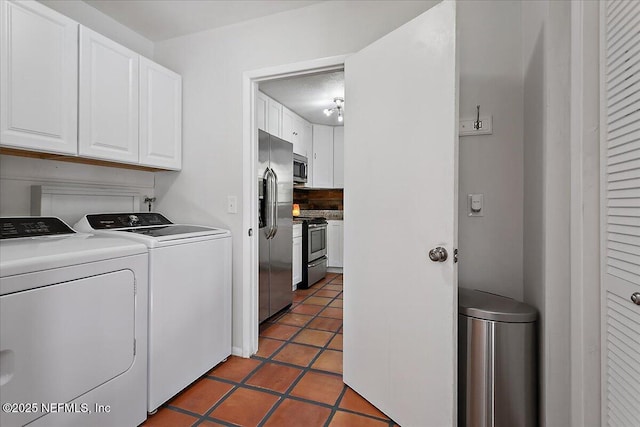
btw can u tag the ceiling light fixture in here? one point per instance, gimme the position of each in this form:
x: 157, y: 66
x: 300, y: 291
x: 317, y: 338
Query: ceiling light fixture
x: 338, y: 108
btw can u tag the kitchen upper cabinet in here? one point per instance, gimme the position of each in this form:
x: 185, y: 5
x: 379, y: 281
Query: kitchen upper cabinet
x: 307, y: 139
x: 274, y: 118
x: 293, y: 128
x: 322, y: 156
x: 108, y: 108
x: 38, y: 78
x: 335, y: 243
x: 160, y: 116
x: 262, y: 108
x: 338, y: 157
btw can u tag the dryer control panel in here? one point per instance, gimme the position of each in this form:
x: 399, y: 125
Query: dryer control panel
x: 14, y: 227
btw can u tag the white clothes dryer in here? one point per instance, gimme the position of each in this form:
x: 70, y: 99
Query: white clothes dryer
x: 73, y: 326
x: 189, y: 296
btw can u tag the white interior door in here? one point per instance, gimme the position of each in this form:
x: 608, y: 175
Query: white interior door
x: 400, y: 324
x: 620, y: 314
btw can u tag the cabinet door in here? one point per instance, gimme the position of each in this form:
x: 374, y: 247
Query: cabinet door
x: 274, y: 118
x: 335, y: 237
x: 38, y: 78
x: 338, y: 157
x: 160, y: 116
x: 261, y: 111
x: 322, y: 156
x: 307, y: 149
x: 288, y: 132
x: 108, y: 99
x: 297, y: 261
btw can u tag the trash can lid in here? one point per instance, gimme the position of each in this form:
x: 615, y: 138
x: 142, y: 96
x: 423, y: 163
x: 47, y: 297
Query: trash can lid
x: 488, y: 306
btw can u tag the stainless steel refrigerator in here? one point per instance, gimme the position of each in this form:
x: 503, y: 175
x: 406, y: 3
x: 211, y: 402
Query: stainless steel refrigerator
x: 275, y: 192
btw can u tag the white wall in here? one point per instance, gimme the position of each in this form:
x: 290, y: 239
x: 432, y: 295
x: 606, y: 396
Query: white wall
x: 212, y: 63
x: 547, y: 174
x: 19, y: 173
x: 491, y: 76
x: 107, y: 26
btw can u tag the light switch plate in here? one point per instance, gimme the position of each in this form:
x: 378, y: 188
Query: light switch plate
x: 232, y: 204
x: 466, y: 126
x: 475, y: 204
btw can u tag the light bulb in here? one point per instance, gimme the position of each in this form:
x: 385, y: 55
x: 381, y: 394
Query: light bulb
x: 340, y: 118
x: 328, y: 112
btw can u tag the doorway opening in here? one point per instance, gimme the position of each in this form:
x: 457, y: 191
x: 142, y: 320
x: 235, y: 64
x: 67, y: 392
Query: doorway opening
x: 250, y: 256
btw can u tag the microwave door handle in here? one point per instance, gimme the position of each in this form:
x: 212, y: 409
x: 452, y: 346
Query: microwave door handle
x: 275, y: 203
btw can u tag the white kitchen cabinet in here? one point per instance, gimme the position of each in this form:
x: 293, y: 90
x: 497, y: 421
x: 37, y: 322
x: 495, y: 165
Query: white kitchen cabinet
x: 288, y: 131
x: 160, y: 116
x: 262, y: 108
x: 307, y: 139
x: 322, y: 156
x: 38, y: 78
x: 297, y: 255
x: 335, y: 243
x: 338, y: 157
x: 293, y: 128
x: 108, y: 108
x: 274, y: 118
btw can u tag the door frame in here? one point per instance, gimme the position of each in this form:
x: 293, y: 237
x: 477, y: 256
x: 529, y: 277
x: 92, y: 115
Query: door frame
x: 250, y: 80
x: 586, y: 213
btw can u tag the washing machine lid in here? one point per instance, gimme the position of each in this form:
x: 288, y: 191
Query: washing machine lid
x: 488, y: 306
x: 29, y: 251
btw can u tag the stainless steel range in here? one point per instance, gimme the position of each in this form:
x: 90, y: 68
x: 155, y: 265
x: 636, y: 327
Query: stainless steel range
x: 314, y: 250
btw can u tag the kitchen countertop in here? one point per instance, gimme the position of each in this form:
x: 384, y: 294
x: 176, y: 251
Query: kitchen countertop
x: 328, y: 214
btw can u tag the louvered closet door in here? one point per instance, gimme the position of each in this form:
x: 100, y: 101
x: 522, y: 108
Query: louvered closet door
x: 621, y: 132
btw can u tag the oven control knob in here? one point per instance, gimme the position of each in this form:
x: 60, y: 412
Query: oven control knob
x: 438, y: 254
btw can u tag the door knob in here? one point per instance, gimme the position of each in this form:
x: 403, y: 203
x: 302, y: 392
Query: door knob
x: 439, y: 254
x: 635, y: 297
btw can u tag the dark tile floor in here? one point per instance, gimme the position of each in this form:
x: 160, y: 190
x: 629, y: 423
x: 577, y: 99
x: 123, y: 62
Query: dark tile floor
x: 295, y: 379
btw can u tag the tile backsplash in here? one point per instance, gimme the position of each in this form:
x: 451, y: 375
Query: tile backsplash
x: 325, y: 199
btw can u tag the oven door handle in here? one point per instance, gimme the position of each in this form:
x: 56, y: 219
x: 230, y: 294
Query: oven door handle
x: 317, y: 225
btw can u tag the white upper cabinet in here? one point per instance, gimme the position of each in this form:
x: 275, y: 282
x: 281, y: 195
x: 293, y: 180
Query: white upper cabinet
x: 293, y: 128
x: 322, y: 156
x: 160, y: 116
x: 38, y: 78
x: 338, y: 157
x: 288, y: 131
x: 108, y: 109
x: 274, y: 118
x: 307, y: 139
x: 262, y: 108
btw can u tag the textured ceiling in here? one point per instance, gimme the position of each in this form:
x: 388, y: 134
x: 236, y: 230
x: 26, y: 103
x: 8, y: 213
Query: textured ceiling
x: 309, y: 95
x: 164, y: 19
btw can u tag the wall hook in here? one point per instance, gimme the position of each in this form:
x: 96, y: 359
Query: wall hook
x: 149, y: 201
x: 477, y: 125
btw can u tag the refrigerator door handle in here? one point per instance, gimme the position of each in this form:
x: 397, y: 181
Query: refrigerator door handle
x: 275, y: 203
x: 268, y: 196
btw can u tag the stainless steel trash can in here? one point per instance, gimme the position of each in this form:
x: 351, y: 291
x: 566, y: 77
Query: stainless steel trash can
x: 497, y: 361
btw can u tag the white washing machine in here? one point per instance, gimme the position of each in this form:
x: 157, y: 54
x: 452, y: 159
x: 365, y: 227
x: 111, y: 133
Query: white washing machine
x: 73, y: 326
x: 189, y: 296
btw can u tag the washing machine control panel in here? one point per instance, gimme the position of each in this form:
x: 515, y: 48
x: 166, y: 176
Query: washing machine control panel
x: 126, y: 220
x: 14, y: 227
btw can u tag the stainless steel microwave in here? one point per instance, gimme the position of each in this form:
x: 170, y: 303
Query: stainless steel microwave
x: 300, y: 168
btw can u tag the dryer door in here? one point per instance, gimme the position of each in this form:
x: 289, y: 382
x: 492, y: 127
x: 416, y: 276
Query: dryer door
x: 60, y: 341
